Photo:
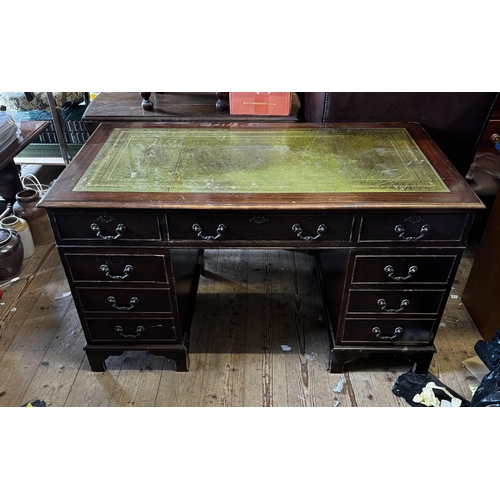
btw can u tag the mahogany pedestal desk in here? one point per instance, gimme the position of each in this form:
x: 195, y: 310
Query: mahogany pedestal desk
x: 384, y: 213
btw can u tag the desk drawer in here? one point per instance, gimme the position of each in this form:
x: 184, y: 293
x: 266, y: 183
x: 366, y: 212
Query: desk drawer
x: 389, y: 331
x: 391, y: 302
x: 403, y: 269
x: 125, y: 300
x: 117, y: 268
x: 135, y: 330
x: 258, y: 226
x: 408, y: 227
x: 107, y: 227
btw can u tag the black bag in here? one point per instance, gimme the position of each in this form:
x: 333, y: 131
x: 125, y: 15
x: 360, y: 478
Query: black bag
x: 409, y: 384
x: 488, y: 392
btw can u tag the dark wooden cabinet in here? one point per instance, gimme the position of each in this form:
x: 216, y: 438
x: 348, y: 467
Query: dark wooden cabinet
x: 386, y: 259
x: 482, y: 290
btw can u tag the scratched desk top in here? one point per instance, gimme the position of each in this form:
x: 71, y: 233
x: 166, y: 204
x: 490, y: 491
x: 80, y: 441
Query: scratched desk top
x: 302, y: 160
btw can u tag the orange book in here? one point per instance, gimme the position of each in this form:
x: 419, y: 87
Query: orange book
x: 260, y: 103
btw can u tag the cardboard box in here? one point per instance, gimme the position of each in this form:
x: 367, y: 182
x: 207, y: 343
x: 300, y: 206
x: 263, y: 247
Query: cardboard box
x: 260, y: 103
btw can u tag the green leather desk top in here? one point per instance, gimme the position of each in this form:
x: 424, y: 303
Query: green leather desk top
x: 305, y: 160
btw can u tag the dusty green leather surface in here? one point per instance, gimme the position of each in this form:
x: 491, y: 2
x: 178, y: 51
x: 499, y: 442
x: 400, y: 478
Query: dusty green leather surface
x: 216, y: 160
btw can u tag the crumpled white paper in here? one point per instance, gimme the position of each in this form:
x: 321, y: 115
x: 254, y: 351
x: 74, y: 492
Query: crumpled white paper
x: 428, y: 398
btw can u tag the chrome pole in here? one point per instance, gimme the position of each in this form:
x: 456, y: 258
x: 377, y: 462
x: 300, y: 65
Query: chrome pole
x: 56, y: 120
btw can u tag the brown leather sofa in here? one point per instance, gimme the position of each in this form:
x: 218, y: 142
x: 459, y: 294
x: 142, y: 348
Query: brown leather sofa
x: 456, y: 121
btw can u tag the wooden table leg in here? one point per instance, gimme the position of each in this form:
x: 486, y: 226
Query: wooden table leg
x: 147, y: 104
x: 222, y: 103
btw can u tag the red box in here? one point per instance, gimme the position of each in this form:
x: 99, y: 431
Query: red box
x: 260, y: 103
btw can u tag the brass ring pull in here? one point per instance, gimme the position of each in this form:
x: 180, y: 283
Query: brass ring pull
x: 119, y: 229
x: 378, y: 333
x: 390, y: 271
x: 401, y: 231
x: 199, y: 231
x: 132, y: 303
x: 137, y: 333
x: 383, y: 305
x: 297, y: 228
x: 495, y: 138
x: 126, y: 270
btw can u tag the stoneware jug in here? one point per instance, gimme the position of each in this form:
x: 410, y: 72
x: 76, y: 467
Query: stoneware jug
x: 22, y: 227
x: 26, y: 208
x: 11, y: 253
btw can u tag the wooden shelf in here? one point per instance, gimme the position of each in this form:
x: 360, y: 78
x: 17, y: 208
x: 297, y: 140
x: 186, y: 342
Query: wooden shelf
x: 169, y: 107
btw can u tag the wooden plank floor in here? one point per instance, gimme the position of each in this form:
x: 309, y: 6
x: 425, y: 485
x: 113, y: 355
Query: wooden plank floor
x: 250, y: 303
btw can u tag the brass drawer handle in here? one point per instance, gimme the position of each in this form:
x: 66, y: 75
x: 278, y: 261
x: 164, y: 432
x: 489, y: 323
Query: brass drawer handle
x: 378, y: 333
x: 390, y: 271
x: 199, y: 231
x: 297, y: 228
x: 132, y: 303
x: 119, y: 229
x: 401, y: 231
x: 383, y: 305
x: 126, y: 270
x: 137, y: 333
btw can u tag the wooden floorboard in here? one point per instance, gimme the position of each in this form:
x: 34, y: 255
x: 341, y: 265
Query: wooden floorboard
x: 258, y: 339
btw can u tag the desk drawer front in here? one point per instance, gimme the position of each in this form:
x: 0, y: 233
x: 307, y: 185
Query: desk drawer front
x: 135, y: 330
x: 117, y: 268
x: 403, y: 269
x: 391, y: 302
x: 412, y: 228
x: 251, y: 226
x: 125, y: 300
x: 114, y: 227
x: 389, y: 331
